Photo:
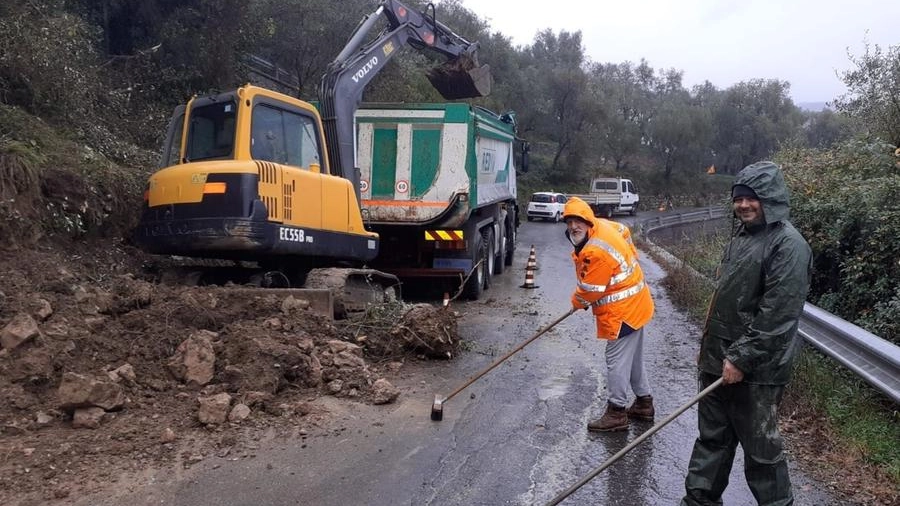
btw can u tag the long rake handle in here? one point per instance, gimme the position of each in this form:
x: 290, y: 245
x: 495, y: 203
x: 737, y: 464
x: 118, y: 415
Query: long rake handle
x: 508, y: 354
x: 569, y: 491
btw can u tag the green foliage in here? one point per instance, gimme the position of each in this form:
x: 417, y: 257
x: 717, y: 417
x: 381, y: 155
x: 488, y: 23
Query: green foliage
x: 873, y: 96
x: 36, y: 38
x: 827, y: 129
x: 755, y: 118
x: 845, y: 203
x: 860, y: 415
x: 19, y: 171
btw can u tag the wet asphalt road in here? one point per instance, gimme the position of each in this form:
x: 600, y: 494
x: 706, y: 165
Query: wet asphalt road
x: 515, y: 437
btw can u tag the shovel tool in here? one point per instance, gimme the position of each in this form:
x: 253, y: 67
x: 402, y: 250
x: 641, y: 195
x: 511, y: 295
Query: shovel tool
x: 437, y: 409
x: 590, y: 476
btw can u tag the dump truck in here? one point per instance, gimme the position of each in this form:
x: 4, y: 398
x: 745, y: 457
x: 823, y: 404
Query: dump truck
x: 438, y: 185
x: 255, y: 176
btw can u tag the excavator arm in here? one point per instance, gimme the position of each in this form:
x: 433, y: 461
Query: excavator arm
x: 346, y: 78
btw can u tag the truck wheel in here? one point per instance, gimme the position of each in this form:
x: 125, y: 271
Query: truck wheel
x: 474, y: 286
x: 608, y: 213
x: 489, y: 259
x: 633, y: 209
x: 501, y: 253
x: 528, y: 217
x: 556, y: 217
x: 510, y: 243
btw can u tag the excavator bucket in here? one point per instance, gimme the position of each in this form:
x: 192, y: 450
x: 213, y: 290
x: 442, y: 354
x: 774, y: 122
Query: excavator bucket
x: 461, y: 78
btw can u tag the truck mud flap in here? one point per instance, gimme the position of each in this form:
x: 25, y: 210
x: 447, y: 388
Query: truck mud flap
x: 461, y: 78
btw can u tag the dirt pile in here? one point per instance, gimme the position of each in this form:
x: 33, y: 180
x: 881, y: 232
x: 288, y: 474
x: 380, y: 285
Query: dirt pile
x: 102, y: 372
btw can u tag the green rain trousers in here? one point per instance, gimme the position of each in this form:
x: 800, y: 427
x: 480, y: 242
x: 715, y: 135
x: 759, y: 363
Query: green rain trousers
x: 731, y: 414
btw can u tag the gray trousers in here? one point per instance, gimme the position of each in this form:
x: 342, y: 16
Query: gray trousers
x: 625, y: 368
x: 731, y: 414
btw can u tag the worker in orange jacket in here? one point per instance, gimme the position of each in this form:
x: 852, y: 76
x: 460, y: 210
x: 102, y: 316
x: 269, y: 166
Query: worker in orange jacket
x: 611, y: 282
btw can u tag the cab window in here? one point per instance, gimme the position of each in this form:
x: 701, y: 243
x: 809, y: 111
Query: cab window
x: 211, y: 132
x: 283, y: 137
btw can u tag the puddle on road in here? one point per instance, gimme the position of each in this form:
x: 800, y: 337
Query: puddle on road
x: 553, y: 387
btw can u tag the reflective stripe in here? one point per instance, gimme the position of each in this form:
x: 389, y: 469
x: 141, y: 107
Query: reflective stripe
x: 591, y: 288
x: 609, y: 249
x: 622, y: 276
x: 625, y: 270
x: 624, y: 294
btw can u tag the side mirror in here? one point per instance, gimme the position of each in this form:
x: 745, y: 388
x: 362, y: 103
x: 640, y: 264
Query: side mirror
x: 525, y: 149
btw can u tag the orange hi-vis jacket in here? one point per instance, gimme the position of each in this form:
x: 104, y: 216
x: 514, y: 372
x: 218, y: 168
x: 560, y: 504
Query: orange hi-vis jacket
x: 610, y: 279
x: 622, y: 229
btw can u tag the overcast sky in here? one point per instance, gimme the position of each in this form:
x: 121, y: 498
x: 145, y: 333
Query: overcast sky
x: 723, y: 41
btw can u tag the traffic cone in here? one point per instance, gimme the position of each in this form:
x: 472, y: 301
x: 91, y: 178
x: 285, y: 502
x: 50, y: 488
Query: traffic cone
x: 530, y: 266
x: 532, y: 260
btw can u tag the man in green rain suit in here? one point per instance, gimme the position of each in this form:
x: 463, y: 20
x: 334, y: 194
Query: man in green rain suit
x: 750, y: 339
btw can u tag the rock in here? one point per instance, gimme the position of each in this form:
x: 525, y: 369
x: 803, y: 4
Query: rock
x: 348, y: 360
x: 167, y: 436
x: 81, y: 294
x: 87, y: 418
x: 239, y: 413
x: 335, y: 386
x: 78, y: 391
x: 43, y: 419
x: 254, y: 398
x: 214, y: 410
x: 124, y: 372
x: 383, y: 392
x: 290, y: 304
x: 43, y: 309
x: 20, y: 329
x: 194, y: 361
x: 336, y: 347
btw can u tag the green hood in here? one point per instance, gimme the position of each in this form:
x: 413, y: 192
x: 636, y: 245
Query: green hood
x: 767, y: 181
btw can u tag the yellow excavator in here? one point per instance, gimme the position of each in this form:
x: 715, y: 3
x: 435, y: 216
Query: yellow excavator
x: 253, y: 175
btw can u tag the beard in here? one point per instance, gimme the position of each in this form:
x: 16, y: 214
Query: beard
x: 577, y: 237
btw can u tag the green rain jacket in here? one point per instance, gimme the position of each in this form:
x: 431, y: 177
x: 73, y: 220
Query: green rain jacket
x: 761, y: 286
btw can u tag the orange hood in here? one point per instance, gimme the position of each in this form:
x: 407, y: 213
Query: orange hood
x: 580, y: 209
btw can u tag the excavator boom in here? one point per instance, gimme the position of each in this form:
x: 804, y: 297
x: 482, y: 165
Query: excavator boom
x: 340, y: 92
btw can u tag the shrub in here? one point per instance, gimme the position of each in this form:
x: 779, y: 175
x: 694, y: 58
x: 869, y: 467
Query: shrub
x: 844, y: 201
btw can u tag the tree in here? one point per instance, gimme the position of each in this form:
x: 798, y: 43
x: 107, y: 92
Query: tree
x: 557, y: 71
x: 625, y: 107
x: 874, y: 92
x: 754, y: 118
x: 827, y: 128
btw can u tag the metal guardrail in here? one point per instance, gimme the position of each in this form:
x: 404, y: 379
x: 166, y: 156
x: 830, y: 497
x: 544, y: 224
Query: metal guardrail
x: 874, y: 359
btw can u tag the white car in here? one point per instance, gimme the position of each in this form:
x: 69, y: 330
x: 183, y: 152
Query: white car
x: 546, y: 205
